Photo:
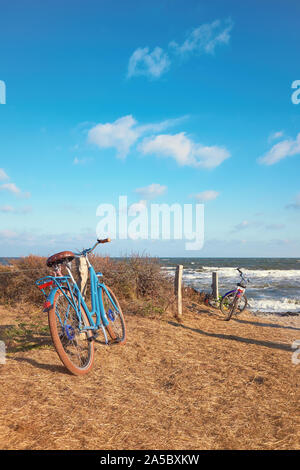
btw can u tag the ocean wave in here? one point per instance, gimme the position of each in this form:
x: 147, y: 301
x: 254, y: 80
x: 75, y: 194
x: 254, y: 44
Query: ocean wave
x: 282, y: 305
x: 255, y: 273
x: 259, y: 278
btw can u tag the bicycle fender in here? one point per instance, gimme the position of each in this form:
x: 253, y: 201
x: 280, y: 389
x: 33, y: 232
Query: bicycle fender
x: 229, y: 292
x: 50, y: 299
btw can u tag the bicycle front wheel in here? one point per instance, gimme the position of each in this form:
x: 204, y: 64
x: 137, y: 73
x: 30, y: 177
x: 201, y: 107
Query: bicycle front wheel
x: 116, y: 327
x: 73, y: 344
x: 230, y: 305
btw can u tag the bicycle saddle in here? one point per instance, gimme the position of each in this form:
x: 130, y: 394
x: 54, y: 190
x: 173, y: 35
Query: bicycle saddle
x: 242, y: 284
x: 58, y: 258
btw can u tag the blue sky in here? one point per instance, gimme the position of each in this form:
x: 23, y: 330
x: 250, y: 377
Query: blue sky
x: 185, y: 102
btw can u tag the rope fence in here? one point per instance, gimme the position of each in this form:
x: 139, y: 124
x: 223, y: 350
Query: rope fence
x: 20, y: 271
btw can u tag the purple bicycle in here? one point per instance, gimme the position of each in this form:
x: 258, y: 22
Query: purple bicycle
x: 235, y: 301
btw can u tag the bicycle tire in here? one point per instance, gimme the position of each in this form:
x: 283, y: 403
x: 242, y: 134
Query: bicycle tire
x: 116, y: 327
x: 228, y: 308
x: 245, y: 304
x: 69, y: 339
x: 212, y: 302
x: 232, y: 310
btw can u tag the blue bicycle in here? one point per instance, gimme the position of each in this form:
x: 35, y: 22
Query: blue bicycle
x: 73, y: 326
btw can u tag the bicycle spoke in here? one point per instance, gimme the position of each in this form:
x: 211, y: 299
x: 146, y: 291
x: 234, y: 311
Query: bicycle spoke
x: 73, y: 339
x: 116, y: 327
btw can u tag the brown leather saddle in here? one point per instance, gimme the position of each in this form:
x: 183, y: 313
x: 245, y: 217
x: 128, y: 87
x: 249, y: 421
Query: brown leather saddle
x: 59, y: 258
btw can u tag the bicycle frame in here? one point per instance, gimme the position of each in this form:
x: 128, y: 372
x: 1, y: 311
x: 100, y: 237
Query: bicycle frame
x: 76, y: 300
x: 238, y: 291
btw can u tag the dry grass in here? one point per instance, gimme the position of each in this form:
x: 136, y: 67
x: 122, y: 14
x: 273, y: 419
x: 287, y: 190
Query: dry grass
x: 200, y: 384
x: 138, y: 281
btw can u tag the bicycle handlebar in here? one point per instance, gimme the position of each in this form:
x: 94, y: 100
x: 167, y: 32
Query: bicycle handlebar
x: 242, y: 275
x: 105, y: 240
x: 89, y: 250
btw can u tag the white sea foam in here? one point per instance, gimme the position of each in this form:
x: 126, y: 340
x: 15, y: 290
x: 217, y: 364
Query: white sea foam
x: 268, y: 305
x: 257, y: 273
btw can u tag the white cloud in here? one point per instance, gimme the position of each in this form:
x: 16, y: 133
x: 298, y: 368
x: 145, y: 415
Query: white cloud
x: 243, y: 225
x: 13, y: 210
x: 11, y: 187
x: 3, y: 175
x: 205, y: 196
x: 6, y: 234
x: 81, y: 161
x: 120, y: 134
x: 294, y: 205
x: 205, y: 38
x: 123, y: 133
x: 275, y: 135
x: 155, y: 127
x: 184, y: 150
x: 281, y: 150
x: 153, y: 64
x: 7, y: 209
x: 151, y: 191
x: 201, y: 40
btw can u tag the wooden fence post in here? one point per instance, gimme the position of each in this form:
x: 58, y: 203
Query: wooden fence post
x: 215, y: 285
x: 177, y: 289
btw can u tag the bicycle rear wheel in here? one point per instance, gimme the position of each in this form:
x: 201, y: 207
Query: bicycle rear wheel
x: 74, y: 346
x: 212, y: 302
x: 116, y: 328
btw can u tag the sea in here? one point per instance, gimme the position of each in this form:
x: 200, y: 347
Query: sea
x: 6, y: 261
x: 274, y: 286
